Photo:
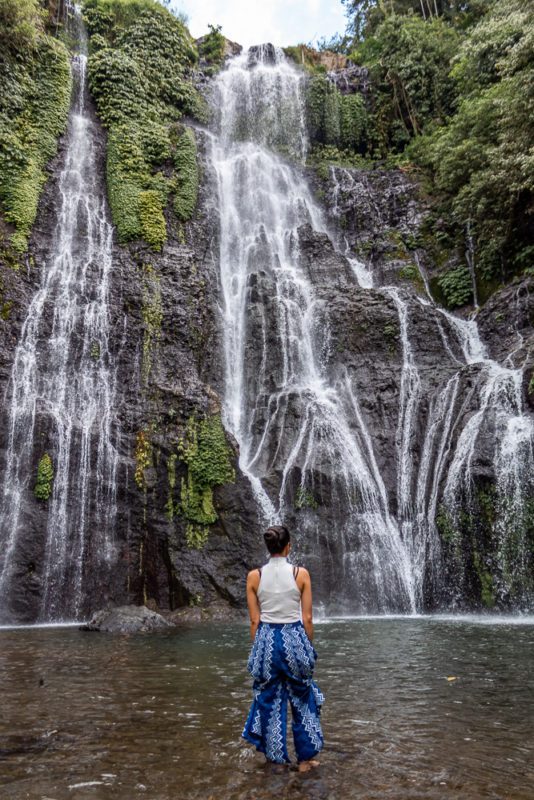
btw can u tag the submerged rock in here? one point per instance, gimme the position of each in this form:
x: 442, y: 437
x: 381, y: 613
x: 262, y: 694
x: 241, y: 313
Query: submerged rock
x: 126, y: 619
x: 216, y: 612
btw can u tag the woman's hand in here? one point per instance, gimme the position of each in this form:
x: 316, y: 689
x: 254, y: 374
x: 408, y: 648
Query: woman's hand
x: 253, y: 582
x: 304, y: 584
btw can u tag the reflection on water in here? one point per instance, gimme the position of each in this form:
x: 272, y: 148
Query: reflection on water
x: 93, y: 716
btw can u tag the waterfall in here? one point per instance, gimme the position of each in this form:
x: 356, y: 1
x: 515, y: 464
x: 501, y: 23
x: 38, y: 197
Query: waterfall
x: 62, y: 396
x: 304, y: 440
x: 279, y: 403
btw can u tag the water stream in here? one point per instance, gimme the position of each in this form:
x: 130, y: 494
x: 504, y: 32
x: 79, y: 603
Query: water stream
x: 61, y: 393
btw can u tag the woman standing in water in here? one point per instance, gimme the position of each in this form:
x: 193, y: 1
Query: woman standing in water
x: 282, y: 658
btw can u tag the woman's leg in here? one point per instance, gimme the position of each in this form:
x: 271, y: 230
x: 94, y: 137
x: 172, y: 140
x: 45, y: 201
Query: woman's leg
x: 266, y: 725
x: 306, y: 700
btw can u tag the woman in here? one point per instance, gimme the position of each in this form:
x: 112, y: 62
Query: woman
x: 282, y: 658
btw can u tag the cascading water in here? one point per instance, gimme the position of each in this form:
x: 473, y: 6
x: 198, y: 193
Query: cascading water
x: 279, y: 403
x: 478, y: 406
x: 62, y: 395
x: 304, y: 442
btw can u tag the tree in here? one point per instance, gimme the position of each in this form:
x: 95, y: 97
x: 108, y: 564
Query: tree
x: 409, y: 59
x: 366, y: 15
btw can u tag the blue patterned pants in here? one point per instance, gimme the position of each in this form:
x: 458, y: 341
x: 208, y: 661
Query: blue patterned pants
x: 281, y: 662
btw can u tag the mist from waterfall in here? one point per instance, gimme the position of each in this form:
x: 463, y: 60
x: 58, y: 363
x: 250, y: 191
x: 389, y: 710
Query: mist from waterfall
x: 61, y: 393
x: 300, y: 428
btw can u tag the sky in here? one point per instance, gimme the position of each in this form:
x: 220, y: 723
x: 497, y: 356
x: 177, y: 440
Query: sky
x: 282, y: 22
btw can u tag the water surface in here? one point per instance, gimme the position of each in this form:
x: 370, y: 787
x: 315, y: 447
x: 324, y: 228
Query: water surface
x: 159, y: 716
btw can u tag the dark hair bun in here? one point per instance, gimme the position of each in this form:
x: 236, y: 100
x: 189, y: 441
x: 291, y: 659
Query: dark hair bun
x: 276, y: 538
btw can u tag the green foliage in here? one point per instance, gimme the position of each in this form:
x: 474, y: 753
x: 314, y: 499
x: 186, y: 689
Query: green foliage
x: 365, y: 16
x: 481, y: 161
x: 45, y: 476
x: 491, y: 538
x: 409, y: 60
x: 453, y: 93
x: 35, y: 85
x: 185, y: 161
x: 391, y: 334
x: 21, y: 26
x: 486, y: 581
x: 203, y: 448
x: 456, y: 286
x: 153, y: 227
x: 118, y: 85
x: 141, y: 83
x: 143, y: 457
x: 307, y: 58
x: 353, y: 122
x: 305, y: 499
x: 337, y: 126
x: 212, y: 47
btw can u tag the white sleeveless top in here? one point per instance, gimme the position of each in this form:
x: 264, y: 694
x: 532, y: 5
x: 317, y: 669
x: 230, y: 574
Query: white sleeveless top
x: 278, y: 593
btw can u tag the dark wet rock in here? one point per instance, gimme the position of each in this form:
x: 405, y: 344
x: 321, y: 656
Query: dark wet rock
x: 126, y: 619
x: 217, y: 612
x: 378, y: 215
x: 506, y: 323
x: 262, y: 54
x: 351, y: 79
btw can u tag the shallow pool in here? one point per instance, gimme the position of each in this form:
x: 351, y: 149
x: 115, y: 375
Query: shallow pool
x: 415, y: 708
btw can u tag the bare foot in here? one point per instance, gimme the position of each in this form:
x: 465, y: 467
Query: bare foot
x: 277, y: 769
x: 304, y: 766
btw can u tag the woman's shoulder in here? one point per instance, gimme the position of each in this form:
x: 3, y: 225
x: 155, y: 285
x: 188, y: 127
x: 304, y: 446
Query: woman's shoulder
x: 254, y: 574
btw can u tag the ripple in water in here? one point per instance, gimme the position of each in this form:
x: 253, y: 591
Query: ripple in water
x: 160, y: 716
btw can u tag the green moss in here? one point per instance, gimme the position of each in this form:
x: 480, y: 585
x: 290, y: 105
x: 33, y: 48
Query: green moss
x: 185, y: 161
x: 486, y: 581
x: 335, y: 120
x: 391, y: 334
x: 446, y: 527
x: 45, y: 476
x: 456, y: 286
x: 153, y: 227
x: 171, y: 480
x: 205, y: 451
x: 531, y: 384
x: 305, y: 499
x: 491, y: 538
x: 35, y: 89
x: 142, y: 85
x: 143, y: 457
x: 410, y: 272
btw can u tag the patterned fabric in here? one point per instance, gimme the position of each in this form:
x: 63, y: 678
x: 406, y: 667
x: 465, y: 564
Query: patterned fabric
x: 281, y: 662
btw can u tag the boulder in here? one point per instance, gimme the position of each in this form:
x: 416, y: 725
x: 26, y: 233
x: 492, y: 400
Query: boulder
x: 126, y: 619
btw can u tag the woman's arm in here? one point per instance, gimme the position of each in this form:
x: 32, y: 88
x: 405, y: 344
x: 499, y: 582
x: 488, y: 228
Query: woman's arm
x: 253, y: 581
x: 304, y: 584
